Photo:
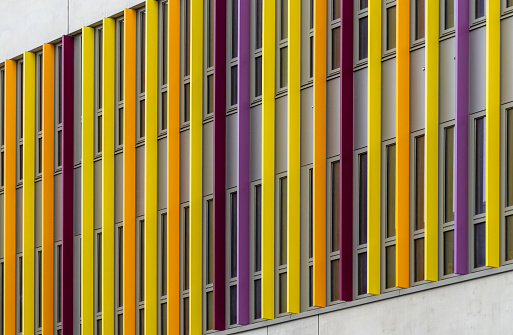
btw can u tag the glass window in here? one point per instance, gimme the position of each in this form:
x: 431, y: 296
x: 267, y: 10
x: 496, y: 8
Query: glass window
x: 186, y: 316
x: 187, y: 20
x: 310, y: 213
x: 391, y: 17
x: 58, y: 280
x: 449, y: 175
x: 364, y: 4
x: 142, y: 118
x: 233, y: 234
x: 210, y: 311
x: 258, y: 76
x: 164, y: 110
x: 258, y: 228
x: 419, y: 182
x: 283, y: 221
x: 258, y: 24
x: 335, y: 9
x: 99, y: 272
x: 121, y: 58
x: 311, y: 14
x: 210, y: 241
x: 233, y: 304
x: 390, y: 266
x: 59, y: 148
x: 120, y: 125
x: 100, y: 67
x: 362, y: 201
x: 210, y: 92
x: 283, y: 293
x: 362, y: 38
x: 480, y: 6
x: 163, y: 313
x: 509, y: 3
x: 419, y: 19
x: 362, y: 273
x: 187, y: 102
x: 99, y: 126
x: 335, y: 48
x: 419, y: 259
x: 141, y: 260
x: 479, y: 245
x: 258, y: 299
x: 186, y: 247
x: 233, y: 87
x: 449, y: 14
x: 509, y: 237
x: 163, y: 258
x: 448, y: 252
x: 20, y: 293
x: 39, y: 288
x: 284, y: 19
x: 283, y: 67
x: 335, y: 280
x: 509, y: 157
x: 335, y: 206
x: 390, y: 227
x: 311, y: 55
x: 480, y: 166
x: 210, y: 33
x: 142, y: 52
x: 120, y: 266
x: 235, y: 28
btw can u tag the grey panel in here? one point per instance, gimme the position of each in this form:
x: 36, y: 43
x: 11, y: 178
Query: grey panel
x: 97, y: 194
x: 333, y: 117
x: 57, y: 207
x: 280, y: 133
x: 19, y: 220
x: 506, y: 63
x: 306, y: 126
x: 231, y: 150
x: 184, y: 166
x: 139, y: 181
x: 77, y: 201
x: 477, y: 70
x: 388, y: 111
x: 161, y: 174
x: 77, y: 102
x: 447, y: 80
x: 417, y: 81
x: 2, y: 225
x: 208, y: 158
x: 38, y: 213
x: 256, y: 143
x: 360, y: 109
x: 118, y: 187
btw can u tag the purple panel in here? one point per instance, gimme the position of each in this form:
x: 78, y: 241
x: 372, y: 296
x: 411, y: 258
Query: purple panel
x: 67, y: 185
x: 461, y: 138
x: 219, y: 161
x: 243, y: 154
x: 346, y: 151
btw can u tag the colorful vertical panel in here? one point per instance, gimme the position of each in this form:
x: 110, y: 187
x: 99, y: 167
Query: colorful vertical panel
x: 294, y: 156
x: 431, y: 144
x: 129, y: 99
x: 108, y: 234
x: 402, y: 119
x: 47, y: 201
x: 220, y: 161
x: 87, y: 183
x: 268, y: 82
x: 243, y: 162
x: 374, y: 150
x: 29, y: 154
x: 346, y: 151
x: 319, y: 154
x: 10, y: 199
x: 150, y: 168
x: 461, y: 20
x: 67, y: 183
x: 493, y: 81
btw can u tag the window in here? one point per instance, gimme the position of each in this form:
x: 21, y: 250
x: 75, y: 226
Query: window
x: 389, y: 227
x: 140, y: 249
x: 391, y: 27
x: 418, y: 222
x: 311, y: 38
x: 162, y: 269
x: 163, y: 59
x: 119, y: 279
x: 19, y: 295
x: 281, y: 235
x: 39, y: 113
x: 478, y: 229
x: 361, y: 230
x: 19, y: 117
x: 509, y: 3
x: 363, y: 15
x: 209, y: 70
x: 232, y: 261
x: 120, y: 59
x: 141, y: 68
x: 310, y: 237
x: 334, y: 249
x: 257, y: 244
x: 234, y: 35
x: 508, y: 228
x: 334, y: 24
x: 480, y: 8
x: 185, y: 270
x: 447, y: 229
x: 419, y: 19
x: 257, y: 50
x: 39, y: 290
x: 58, y: 282
x: 186, y: 79
x: 2, y: 119
x: 448, y: 18
x: 58, y: 106
x: 98, y: 89
x: 282, y: 43
x: 98, y: 283
x: 209, y: 265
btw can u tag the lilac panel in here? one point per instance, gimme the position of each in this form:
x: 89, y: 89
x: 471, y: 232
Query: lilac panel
x: 461, y: 138
x: 346, y: 151
x: 67, y: 185
x: 243, y: 154
x: 219, y: 161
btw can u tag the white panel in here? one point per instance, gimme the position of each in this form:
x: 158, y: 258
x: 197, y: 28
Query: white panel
x: 333, y: 117
x: 477, y: 84
x: 360, y: 109
x: 388, y: 111
x: 417, y: 91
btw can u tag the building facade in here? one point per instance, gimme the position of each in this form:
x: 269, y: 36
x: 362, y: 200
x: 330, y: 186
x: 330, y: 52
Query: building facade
x: 264, y: 166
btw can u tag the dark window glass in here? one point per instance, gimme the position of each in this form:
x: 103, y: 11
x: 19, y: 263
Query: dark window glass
x: 120, y: 267
x: 335, y: 48
x: 283, y: 221
x: 364, y: 4
x: 390, y: 184
x: 186, y: 247
x: 39, y: 288
x: 362, y: 38
x: 335, y: 280
x: 2, y: 172
x: 391, y: 17
x: 419, y: 19
x: 233, y: 234
x: 210, y: 311
x: 20, y: 293
x: 142, y: 52
x: 99, y: 272
x: 39, y: 156
x: 2, y: 104
x: 283, y: 67
x: 449, y: 174
x: 187, y: 102
x: 479, y: 245
x: 449, y: 14
x: 336, y: 9
x: 120, y: 324
x: 283, y: 293
x: 59, y: 281
x: 99, y: 327
x: 448, y: 252
x: 187, y: 20
x: 210, y: 33
x: 362, y: 273
x: 21, y: 161
x: 258, y: 76
x: 186, y: 316
x: 480, y: 8
x: 284, y: 20
x: 210, y: 241
x: 509, y: 157
x: 233, y: 304
x: 163, y: 321
x: 258, y: 299
x: 509, y: 237
x: 121, y: 58
x: 258, y: 228
x: 310, y: 286
x: 509, y: 3
x: 258, y: 24
x: 120, y: 125
x: 163, y: 259
x: 390, y: 266
x: 100, y: 67
x: 335, y: 206
x: 39, y: 94
x: 362, y: 201
x: 312, y: 14
x: 311, y: 56
x: 419, y: 182
x: 480, y: 167
x: 235, y: 29
x: 100, y: 129
x: 164, y: 111
x: 58, y: 81
x: 142, y: 117
x: 310, y: 213
x: 141, y: 321
x: 419, y: 259
x: 210, y: 92
x: 165, y: 14
x: 59, y: 148
x: 233, y: 87
x: 141, y: 260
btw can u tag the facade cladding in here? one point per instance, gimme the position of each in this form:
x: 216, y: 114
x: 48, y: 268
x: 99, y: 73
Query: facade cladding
x: 201, y: 165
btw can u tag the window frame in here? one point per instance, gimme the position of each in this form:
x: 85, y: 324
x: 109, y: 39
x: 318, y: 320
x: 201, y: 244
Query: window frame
x: 184, y: 291
x: 385, y: 51
x: 163, y: 82
x: 58, y: 109
x: 57, y: 286
x: 97, y: 279
x: 207, y: 287
x: 118, y: 283
x: 141, y: 91
x: 414, y: 41
x: 230, y: 281
x: 232, y: 61
x: 255, y: 53
x: 208, y: 69
x: 506, y: 210
x: 139, y: 266
x: 331, y: 255
x: 120, y: 49
x: 332, y: 25
x: 358, y: 15
x: 98, y: 108
x: 19, y: 123
x: 19, y: 293
x: 38, y: 116
x: 442, y: 19
x: 162, y: 298
x: 280, y: 269
x: 185, y: 8
x: 255, y: 275
x: 472, y: 18
x: 280, y: 45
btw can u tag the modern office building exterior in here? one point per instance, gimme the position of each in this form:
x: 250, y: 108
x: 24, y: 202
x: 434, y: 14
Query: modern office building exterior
x: 256, y: 166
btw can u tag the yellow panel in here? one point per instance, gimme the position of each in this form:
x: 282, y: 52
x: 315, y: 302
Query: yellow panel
x: 150, y: 169
x: 196, y: 163
x: 48, y: 168
x: 10, y: 199
x: 29, y: 154
x: 129, y: 173
x: 374, y: 150
x: 294, y: 155
x: 268, y: 79
x: 431, y: 150
x: 109, y: 37
x: 87, y: 270
x: 493, y: 78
